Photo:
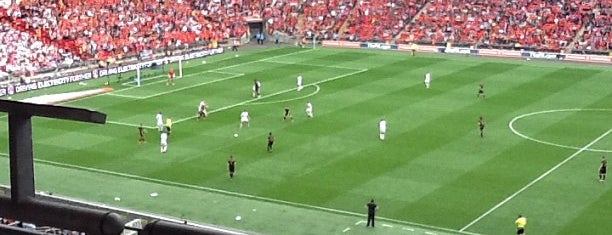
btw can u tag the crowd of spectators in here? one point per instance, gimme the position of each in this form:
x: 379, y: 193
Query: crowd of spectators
x: 21, y: 52
x: 324, y: 18
x: 598, y: 32
x: 279, y: 15
x: 540, y: 24
x: 111, y: 29
x: 381, y: 20
x: 46, y: 34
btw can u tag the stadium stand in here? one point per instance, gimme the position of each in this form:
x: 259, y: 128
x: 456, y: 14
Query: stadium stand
x: 381, y: 20
x: 39, y: 35
x: 279, y: 15
x: 325, y: 18
x: 112, y: 29
x: 598, y: 30
x: 540, y: 25
x: 21, y: 52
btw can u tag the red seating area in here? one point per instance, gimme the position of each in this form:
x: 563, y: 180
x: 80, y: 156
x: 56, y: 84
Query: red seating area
x: 24, y: 51
x: 326, y: 17
x: 44, y: 33
x: 598, y: 33
x: 281, y: 15
x: 381, y: 19
x: 543, y: 24
x: 111, y: 28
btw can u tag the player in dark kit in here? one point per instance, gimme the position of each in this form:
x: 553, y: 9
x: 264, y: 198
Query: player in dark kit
x: 256, y: 89
x: 480, y: 91
x: 481, y: 126
x: 141, y: 132
x: 372, y: 208
x: 231, y: 166
x: 270, y: 141
x: 287, y: 114
x: 603, y: 169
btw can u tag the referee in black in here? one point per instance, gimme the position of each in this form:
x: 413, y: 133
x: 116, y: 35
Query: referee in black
x: 372, y: 208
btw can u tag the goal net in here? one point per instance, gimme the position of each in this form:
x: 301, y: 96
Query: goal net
x: 161, y: 69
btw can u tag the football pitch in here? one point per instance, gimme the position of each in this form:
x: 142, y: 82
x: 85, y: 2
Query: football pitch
x: 547, y: 126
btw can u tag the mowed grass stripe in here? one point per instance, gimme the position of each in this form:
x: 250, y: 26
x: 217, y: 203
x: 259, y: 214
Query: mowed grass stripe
x: 307, y: 146
x: 367, y: 160
x: 536, y: 180
x: 239, y: 195
x: 269, y: 75
x: 565, y: 189
x: 275, y: 114
x: 486, y: 170
x: 178, y: 138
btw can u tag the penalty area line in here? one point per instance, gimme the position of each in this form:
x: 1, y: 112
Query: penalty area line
x: 316, y: 84
x: 535, y: 181
x: 129, y: 124
x: 317, y: 89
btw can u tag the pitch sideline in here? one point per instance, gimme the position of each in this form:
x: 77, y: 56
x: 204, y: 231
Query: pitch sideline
x: 241, y: 195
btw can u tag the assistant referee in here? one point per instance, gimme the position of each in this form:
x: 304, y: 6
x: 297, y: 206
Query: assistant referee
x: 520, y: 222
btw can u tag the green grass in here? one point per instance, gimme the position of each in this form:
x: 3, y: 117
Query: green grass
x: 432, y: 173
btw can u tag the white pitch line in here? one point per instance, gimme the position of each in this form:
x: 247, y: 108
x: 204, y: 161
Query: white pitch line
x: 230, y: 73
x: 535, y: 180
x: 217, y: 70
x: 123, y: 96
x: 516, y: 132
x: 236, y: 194
x: 145, y: 214
x: 408, y: 229
x: 314, y: 65
x: 192, y: 86
x: 129, y: 124
x: 360, y: 222
x: 179, y: 89
x: 214, y: 70
x: 273, y: 94
x: 160, y: 81
x: 346, y: 229
x: 387, y: 225
x: 317, y: 89
x: 129, y: 83
x: 430, y: 233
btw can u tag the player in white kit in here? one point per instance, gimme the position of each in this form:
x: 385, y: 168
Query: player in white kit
x: 300, y: 84
x: 382, y: 128
x: 163, y: 141
x: 244, y: 118
x: 202, y: 110
x: 309, y: 110
x: 427, y: 79
x: 160, y: 121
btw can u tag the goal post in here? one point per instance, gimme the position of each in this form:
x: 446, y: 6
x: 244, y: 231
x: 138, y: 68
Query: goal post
x: 151, y: 71
x: 180, y: 70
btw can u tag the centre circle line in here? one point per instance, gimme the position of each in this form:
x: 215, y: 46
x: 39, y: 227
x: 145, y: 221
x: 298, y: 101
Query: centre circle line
x: 516, y: 132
